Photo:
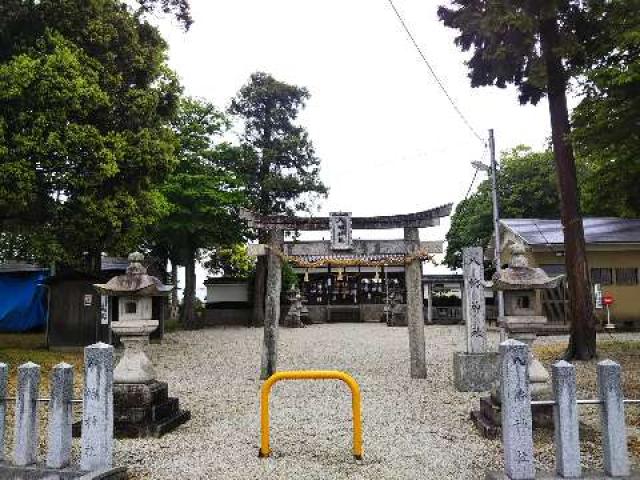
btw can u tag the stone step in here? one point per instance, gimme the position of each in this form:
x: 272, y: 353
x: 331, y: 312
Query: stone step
x: 165, y: 410
x: 171, y: 423
x: 486, y: 427
x: 490, y: 410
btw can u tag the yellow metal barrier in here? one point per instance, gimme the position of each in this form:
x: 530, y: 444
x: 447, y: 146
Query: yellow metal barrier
x: 311, y: 375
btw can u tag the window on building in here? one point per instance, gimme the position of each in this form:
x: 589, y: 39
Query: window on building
x: 627, y: 276
x: 603, y: 276
x: 130, y: 307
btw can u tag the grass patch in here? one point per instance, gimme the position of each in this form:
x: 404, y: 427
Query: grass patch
x: 16, y: 349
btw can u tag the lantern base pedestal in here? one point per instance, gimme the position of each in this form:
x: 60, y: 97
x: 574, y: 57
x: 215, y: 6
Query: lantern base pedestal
x: 145, y: 410
x: 475, y: 372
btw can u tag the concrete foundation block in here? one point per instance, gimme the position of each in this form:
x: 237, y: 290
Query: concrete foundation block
x: 475, y: 372
x: 555, y: 476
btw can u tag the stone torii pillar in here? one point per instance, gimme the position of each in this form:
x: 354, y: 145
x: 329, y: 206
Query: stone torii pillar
x: 415, y: 313
x: 272, y: 304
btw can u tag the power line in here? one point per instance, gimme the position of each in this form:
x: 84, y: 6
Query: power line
x: 473, y: 180
x: 433, y: 73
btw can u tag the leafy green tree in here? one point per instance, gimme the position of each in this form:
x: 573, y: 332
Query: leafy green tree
x: 279, y: 164
x: 233, y: 261
x: 526, y: 189
x: 203, y: 195
x: 606, y: 121
x: 85, y: 101
x: 536, y: 46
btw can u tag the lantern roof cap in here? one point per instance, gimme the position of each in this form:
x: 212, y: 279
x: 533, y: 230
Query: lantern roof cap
x: 520, y: 276
x: 135, y: 282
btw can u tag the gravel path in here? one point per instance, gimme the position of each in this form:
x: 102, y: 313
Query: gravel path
x: 412, y: 428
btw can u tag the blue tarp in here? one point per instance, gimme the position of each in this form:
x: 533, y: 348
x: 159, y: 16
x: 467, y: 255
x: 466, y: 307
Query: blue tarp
x: 22, y: 301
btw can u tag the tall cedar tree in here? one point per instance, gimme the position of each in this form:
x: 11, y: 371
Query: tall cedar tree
x: 203, y: 195
x: 85, y: 104
x: 532, y: 44
x: 279, y: 163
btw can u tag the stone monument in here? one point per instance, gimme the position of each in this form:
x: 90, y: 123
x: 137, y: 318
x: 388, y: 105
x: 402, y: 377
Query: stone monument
x: 474, y: 370
x: 142, y: 406
x: 521, y: 285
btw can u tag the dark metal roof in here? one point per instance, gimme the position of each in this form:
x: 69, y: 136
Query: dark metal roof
x: 114, y: 263
x: 442, y: 278
x: 20, y: 267
x: 596, y: 230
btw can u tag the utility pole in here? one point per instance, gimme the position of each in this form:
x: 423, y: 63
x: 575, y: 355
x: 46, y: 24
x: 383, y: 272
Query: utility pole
x: 496, y: 214
x: 492, y: 171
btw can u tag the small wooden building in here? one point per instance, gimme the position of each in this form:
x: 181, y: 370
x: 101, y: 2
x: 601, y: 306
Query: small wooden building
x: 79, y: 315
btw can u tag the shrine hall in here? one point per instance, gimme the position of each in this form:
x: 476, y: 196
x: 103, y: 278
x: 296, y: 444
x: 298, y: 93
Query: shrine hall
x: 351, y: 280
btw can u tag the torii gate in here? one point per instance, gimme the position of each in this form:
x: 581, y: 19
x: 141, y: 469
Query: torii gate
x: 340, y: 225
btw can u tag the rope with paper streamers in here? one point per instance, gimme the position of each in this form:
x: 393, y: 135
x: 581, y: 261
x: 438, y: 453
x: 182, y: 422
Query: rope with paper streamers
x: 422, y: 255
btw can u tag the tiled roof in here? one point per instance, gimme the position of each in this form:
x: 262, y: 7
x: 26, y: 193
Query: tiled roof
x: 596, y: 230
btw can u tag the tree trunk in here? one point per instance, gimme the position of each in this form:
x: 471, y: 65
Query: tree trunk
x: 94, y: 262
x: 188, y: 316
x: 582, y: 342
x: 174, y: 293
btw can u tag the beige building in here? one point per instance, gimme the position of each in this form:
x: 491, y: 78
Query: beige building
x: 613, y: 255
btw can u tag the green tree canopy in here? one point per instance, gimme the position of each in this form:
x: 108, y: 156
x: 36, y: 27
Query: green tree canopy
x: 202, y: 192
x: 526, y: 189
x: 85, y: 102
x: 279, y: 162
x: 607, y: 119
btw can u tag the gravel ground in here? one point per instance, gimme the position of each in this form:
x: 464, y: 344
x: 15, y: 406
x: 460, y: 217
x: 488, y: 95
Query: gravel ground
x: 412, y: 428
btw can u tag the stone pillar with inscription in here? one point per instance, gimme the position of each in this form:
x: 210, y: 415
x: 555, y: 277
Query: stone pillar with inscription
x: 476, y: 369
x: 415, y: 313
x: 517, y: 435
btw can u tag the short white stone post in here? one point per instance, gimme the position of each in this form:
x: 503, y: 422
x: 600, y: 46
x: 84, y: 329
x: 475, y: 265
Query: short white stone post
x: 565, y: 418
x: 60, y: 417
x: 473, y: 299
x: 97, y: 411
x: 517, y: 434
x: 4, y: 375
x: 25, y: 446
x: 614, y: 431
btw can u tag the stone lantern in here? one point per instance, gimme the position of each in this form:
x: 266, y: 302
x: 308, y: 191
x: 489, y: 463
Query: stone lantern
x: 521, y: 286
x: 142, y: 406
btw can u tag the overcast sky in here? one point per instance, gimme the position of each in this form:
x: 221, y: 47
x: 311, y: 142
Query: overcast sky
x: 387, y: 137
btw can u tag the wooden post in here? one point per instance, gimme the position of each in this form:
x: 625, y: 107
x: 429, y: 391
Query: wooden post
x: 272, y: 305
x: 415, y: 315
